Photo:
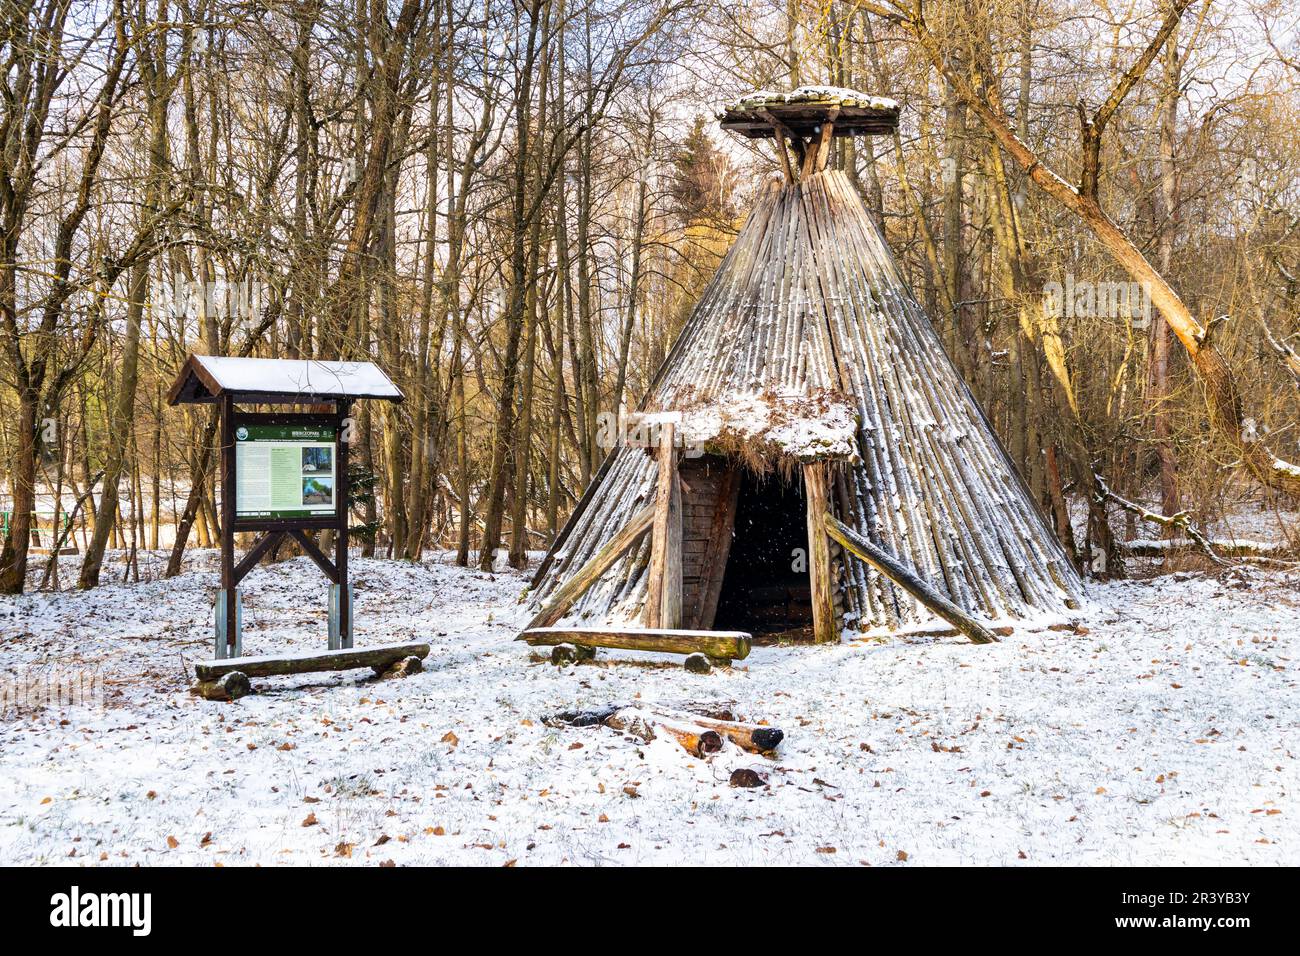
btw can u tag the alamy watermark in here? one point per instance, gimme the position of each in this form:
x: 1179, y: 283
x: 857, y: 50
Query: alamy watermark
x: 50, y: 685
x: 1127, y: 301
x: 220, y: 298
x: 133, y: 911
x: 645, y: 431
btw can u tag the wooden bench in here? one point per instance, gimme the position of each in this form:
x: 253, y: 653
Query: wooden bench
x: 721, y: 647
x: 227, y: 679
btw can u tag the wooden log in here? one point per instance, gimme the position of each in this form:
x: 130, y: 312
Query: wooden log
x: 819, y: 554
x: 1164, y: 547
x: 230, y: 686
x: 908, y: 580
x: 695, y: 739
x: 383, y: 656
x: 663, y: 606
x: 565, y: 597
x: 752, y: 737
x: 755, y: 738
x: 732, y: 645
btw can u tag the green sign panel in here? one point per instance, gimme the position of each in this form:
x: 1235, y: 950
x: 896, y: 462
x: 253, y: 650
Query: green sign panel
x: 285, y: 471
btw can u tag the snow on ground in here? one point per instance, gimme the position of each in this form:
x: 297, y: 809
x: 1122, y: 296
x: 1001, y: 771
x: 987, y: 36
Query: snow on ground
x: 1163, y: 732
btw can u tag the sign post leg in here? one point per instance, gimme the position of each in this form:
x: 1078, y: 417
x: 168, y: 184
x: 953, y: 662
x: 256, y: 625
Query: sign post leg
x: 340, y: 622
x: 344, y: 587
x: 229, y: 609
x: 228, y: 596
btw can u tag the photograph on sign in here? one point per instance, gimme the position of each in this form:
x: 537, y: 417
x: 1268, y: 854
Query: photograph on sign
x: 285, y: 471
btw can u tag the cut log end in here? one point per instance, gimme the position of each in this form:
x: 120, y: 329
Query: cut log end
x: 698, y: 663
x: 228, y: 687
x: 562, y: 654
x: 403, y: 668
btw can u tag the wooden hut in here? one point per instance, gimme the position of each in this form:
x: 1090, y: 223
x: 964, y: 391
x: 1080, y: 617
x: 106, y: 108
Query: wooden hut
x: 807, y: 417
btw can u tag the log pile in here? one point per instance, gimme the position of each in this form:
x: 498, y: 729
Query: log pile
x: 698, y: 734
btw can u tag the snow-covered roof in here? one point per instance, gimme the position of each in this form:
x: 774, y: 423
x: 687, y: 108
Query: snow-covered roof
x: 833, y: 95
x: 802, y: 111
x: 806, y: 427
x: 203, y: 378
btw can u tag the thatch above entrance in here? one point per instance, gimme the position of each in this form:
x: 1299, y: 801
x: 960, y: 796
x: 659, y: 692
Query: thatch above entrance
x: 761, y: 429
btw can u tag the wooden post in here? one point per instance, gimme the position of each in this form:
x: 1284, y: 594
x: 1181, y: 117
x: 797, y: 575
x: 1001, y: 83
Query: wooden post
x: 819, y: 554
x: 341, y: 539
x: 565, y: 597
x: 782, y: 144
x: 228, y: 583
x: 907, y: 579
x: 824, y: 143
x: 664, y: 601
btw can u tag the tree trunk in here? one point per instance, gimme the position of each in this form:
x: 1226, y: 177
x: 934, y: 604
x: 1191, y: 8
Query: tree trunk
x: 1222, y: 397
x: 1167, y: 212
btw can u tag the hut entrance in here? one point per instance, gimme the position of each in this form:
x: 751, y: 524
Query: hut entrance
x: 766, y: 588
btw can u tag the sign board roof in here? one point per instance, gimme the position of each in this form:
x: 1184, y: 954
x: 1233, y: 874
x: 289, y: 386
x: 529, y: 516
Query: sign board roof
x: 204, y: 378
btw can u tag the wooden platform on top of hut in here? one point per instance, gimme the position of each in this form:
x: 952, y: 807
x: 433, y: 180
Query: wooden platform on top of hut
x: 802, y: 112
